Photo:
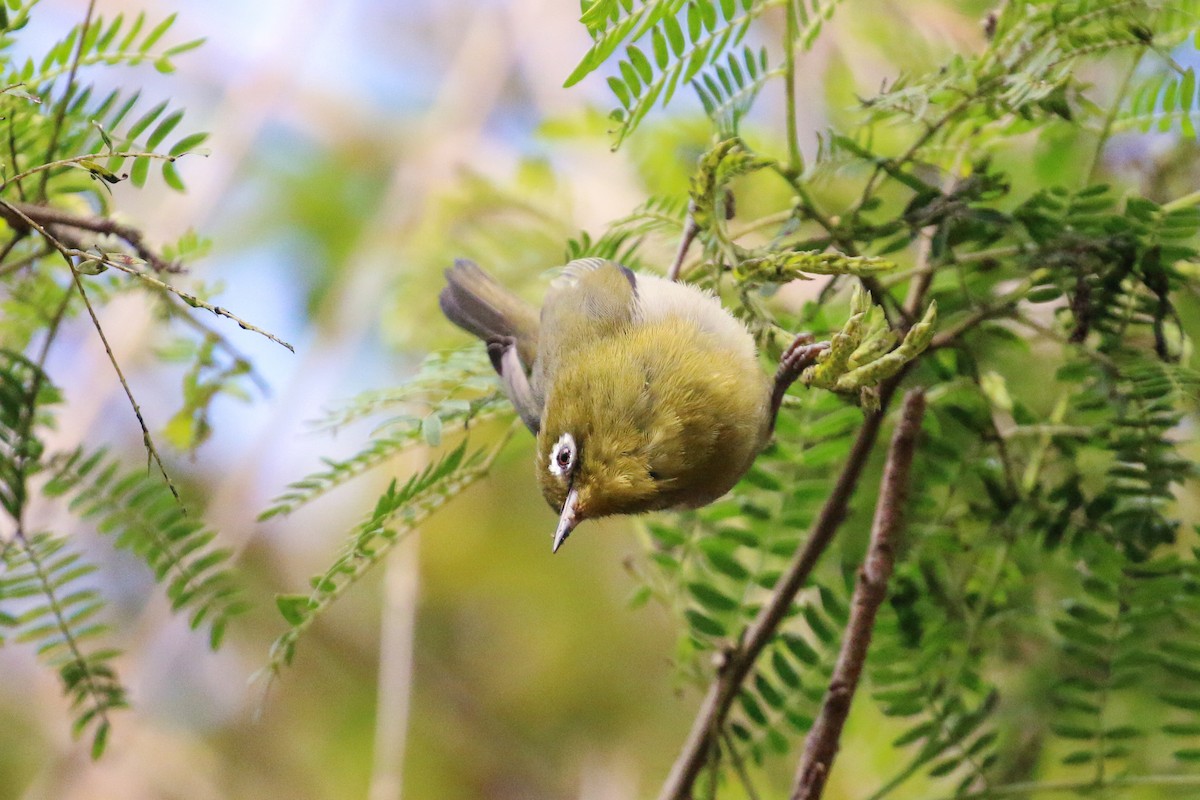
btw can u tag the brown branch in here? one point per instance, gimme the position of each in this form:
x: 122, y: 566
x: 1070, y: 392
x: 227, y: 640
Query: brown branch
x: 22, y: 263
x: 821, y: 746
x: 51, y: 217
x: 70, y: 247
x: 739, y: 660
x: 68, y: 254
x: 690, y: 229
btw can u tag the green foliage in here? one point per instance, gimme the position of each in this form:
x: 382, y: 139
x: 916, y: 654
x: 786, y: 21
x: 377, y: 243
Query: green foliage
x: 1047, y: 479
x: 686, y: 43
x: 143, y: 517
x: 208, y: 377
x: 397, y: 512
x: 1046, y: 582
x: 450, y: 392
x: 864, y: 353
x: 41, y: 585
x: 104, y: 129
x: 44, y: 599
x: 63, y: 255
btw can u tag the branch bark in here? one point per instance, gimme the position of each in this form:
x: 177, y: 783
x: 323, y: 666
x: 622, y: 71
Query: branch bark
x: 690, y: 229
x: 821, y: 746
x: 51, y: 217
x: 740, y: 659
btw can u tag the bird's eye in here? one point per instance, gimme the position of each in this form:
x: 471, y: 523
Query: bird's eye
x: 562, y: 456
x: 654, y: 476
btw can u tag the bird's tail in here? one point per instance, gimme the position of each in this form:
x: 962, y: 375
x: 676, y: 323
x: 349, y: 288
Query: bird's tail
x: 475, y: 302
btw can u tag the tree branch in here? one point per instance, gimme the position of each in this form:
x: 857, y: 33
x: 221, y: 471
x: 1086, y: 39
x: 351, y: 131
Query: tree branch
x: 690, y: 229
x: 48, y: 216
x: 740, y: 659
x: 821, y: 746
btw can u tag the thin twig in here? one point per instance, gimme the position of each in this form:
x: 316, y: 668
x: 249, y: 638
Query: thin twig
x: 821, y: 745
x: 66, y: 162
x: 190, y: 299
x: 67, y: 254
x: 12, y: 155
x: 89, y: 674
x: 147, y: 440
x: 791, y: 34
x: 922, y: 276
x: 690, y: 229
x: 50, y: 216
x: 107, y: 260
x: 1110, y: 118
x: 1001, y: 308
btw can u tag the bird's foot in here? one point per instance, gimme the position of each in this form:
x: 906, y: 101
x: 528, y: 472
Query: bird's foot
x: 801, y: 354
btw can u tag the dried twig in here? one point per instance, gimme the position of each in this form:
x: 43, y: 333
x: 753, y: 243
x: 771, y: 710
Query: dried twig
x: 147, y: 439
x: 69, y: 247
x: 690, y: 229
x: 821, y: 746
x: 51, y: 217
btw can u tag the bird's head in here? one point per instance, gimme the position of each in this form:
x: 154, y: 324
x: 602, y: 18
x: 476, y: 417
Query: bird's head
x: 587, y: 473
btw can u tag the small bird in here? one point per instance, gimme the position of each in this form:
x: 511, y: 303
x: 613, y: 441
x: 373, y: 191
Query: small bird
x: 644, y: 393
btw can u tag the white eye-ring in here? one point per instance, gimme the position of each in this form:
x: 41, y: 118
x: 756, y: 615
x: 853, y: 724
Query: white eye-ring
x: 562, y: 456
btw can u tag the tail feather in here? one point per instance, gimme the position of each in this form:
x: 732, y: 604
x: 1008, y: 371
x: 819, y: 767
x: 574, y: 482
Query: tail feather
x: 475, y: 302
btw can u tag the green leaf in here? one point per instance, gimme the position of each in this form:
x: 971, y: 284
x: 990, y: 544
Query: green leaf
x: 188, y: 144
x: 294, y: 607
x: 159, y: 30
x: 704, y: 624
x: 164, y: 129
x: 710, y: 598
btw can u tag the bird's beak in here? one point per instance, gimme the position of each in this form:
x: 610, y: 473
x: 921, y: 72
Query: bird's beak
x: 567, y: 520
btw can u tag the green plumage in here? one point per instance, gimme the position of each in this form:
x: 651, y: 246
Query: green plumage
x: 663, y: 415
x: 652, y: 388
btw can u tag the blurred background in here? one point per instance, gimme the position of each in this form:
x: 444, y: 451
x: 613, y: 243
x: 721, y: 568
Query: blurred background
x: 356, y: 148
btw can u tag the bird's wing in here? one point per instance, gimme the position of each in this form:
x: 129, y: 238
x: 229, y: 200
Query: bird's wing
x: 591, y: 298
x: 476, y: 303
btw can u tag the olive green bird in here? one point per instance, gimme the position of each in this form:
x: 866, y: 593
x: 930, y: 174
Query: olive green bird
x: 644, y: 394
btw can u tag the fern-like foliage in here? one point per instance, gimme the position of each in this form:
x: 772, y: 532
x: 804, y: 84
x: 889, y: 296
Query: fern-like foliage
x: 1048, y: 320
x: 451, y: 391
x: 44, y: 601
x: 63, y: 254
x: 44, y: 598
x: 97, y: 129
x: 1036, y: 467
x: 698, y: 42
x: 684, y: 38
x: 728, y: 90
x: 143, y: 517
x: 397, y: 512
x: 1120, y: 630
